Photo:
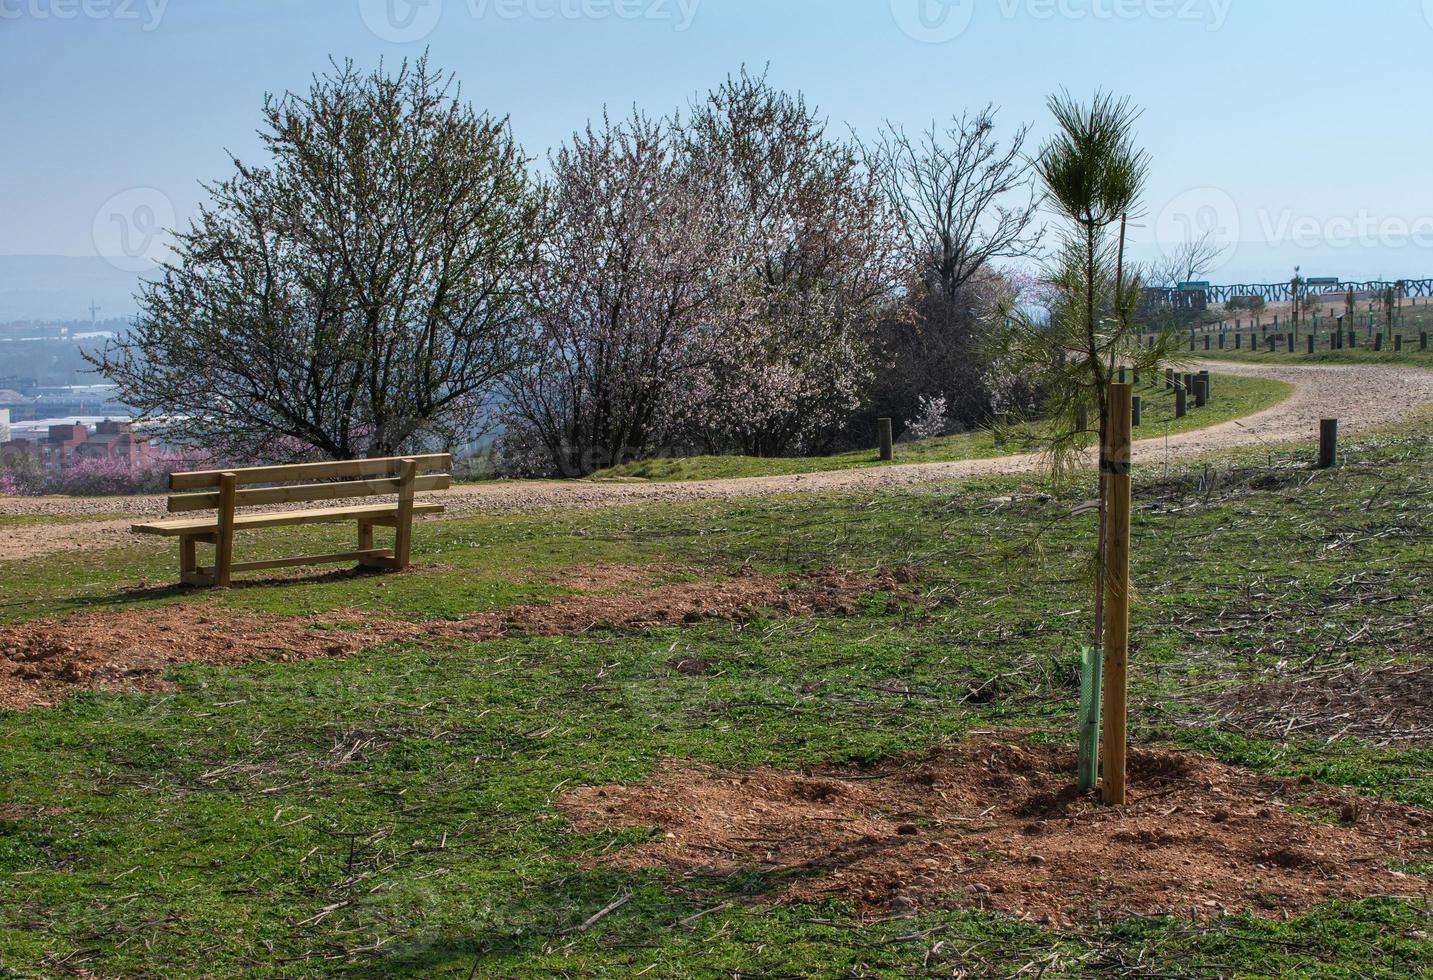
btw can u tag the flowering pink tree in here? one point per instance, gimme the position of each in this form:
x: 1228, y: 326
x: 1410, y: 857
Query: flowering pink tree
x: 625, y: 294
x: 812, y: 265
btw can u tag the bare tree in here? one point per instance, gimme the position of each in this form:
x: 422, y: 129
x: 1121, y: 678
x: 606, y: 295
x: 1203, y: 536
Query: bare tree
x: 961, y: 197
x: 357, y: 294
x: 1189, y: 261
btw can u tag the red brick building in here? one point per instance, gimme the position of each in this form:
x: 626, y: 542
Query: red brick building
x: 66, y: 446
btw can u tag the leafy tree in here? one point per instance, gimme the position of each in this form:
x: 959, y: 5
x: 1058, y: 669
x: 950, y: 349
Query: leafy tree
x: 21, y: 473
x: 706, y: 282
x: 357, y: 294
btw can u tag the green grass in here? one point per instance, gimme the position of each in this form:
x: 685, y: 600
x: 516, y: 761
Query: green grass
x: 34, y: 520
x: 1363, y: 354
x: 1414, y: 320
x: 225, y: 828
x: 1235, y: 397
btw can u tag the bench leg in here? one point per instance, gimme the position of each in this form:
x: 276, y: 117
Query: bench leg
x: 403, y: 538
x: 365, y: 543
x: 189, y: 562
x: 224, y: 543
x: 188, y: 559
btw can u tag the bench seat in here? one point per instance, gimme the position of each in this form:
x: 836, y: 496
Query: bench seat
x: 369, y: 513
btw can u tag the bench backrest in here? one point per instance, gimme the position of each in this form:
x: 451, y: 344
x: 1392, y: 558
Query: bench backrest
x: 347, y: 478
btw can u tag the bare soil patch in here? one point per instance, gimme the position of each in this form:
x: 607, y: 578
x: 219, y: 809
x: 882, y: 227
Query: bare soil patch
x: 1385, y: 704
x: 991, y: 824
x: 596, y: 578
x: 43, y: 660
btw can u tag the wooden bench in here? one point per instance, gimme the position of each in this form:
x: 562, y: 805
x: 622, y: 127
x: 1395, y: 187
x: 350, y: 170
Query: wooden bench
x: 219, y: 491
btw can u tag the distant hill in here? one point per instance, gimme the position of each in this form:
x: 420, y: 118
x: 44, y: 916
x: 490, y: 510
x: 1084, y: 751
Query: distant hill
x: 61, y: 287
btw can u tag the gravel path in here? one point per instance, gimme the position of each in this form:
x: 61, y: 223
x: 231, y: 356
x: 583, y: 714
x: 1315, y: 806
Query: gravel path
x: 1359, y: 396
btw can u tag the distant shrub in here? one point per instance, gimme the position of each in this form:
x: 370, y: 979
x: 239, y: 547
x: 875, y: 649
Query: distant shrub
x: 932, y: 420
x: 103, y: 478
x: 21, y: 474
x: 1253, y: 304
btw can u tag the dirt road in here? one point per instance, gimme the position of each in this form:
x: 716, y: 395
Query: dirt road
x: 1359, y: 396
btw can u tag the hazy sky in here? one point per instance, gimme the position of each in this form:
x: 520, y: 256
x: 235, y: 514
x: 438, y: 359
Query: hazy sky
x: 1297, y: 128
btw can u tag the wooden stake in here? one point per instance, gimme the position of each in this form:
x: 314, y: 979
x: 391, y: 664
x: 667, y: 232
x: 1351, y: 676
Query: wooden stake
x: 883, y: 430
x: 1116, y: 471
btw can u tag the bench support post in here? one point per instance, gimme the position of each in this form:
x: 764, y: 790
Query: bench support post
x: 188, y: 560
x: 403, y: 543
x: 224, y: 544
x: 365, y: 543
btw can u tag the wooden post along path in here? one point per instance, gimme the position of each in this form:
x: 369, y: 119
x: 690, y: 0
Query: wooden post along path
x: 1115, y: 470
x: 883, y: 428
x: 1328, y: 444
